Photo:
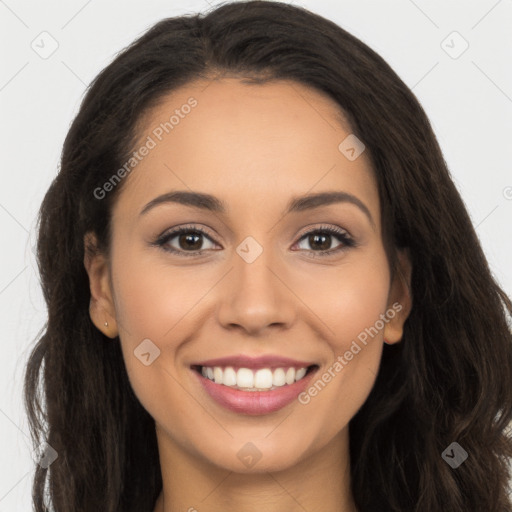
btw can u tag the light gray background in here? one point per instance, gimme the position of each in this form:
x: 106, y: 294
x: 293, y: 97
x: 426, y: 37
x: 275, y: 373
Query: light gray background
x: 468, y: 100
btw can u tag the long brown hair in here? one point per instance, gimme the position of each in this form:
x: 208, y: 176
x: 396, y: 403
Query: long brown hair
x: 450, y: 378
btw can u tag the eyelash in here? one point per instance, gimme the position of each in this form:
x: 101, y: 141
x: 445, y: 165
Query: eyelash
x: 339, y: 233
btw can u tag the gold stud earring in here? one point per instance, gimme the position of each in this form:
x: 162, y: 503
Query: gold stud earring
x: 106, y: 324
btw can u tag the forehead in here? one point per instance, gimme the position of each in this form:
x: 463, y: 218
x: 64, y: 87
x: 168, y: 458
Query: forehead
x: 249, y: 145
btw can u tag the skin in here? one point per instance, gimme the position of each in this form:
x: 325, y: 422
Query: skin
x: 254, y: 147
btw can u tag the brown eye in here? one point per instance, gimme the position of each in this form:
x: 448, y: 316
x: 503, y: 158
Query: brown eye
x: 320, y: 240
x: 185, y: 241
x: 190, y: 241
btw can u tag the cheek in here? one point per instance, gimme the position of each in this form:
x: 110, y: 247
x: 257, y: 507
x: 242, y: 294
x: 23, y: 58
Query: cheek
x: 155, y: 304
x: 348, y: 298
x: 152, y: 298
x: 350, y: 303
x: 161, y: 304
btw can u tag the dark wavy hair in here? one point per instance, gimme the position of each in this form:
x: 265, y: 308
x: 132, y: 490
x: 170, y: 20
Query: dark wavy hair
x: 450, y: 378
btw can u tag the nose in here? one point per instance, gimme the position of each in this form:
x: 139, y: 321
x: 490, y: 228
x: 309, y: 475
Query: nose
x: 255, y: 296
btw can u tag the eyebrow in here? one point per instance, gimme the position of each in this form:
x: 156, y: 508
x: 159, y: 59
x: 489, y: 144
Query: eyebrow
x: 296, y: 204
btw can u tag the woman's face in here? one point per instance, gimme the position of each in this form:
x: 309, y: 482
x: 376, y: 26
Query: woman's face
x: 264, y: 280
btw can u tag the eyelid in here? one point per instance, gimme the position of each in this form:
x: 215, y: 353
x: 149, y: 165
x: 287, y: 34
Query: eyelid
x: 347, y: 240
x: 324, y: 227
x: 171, y: 233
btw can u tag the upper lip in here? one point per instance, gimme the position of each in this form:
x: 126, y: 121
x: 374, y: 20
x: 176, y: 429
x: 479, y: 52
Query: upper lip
x: 243, y: 361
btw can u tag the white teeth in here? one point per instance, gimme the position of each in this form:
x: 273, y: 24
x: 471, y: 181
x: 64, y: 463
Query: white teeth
x: 279, y: 377
x: 300, y: 373
x: 217, y: 375
x: 245, y: 378
x: 229, y: 377
x: 262, y: 379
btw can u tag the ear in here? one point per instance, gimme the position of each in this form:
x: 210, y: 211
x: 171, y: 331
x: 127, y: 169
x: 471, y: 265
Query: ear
x: 101, y: 306
x: 400, y: 298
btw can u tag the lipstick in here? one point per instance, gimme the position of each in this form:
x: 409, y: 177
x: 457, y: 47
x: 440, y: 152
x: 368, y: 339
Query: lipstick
x: 283, y: 378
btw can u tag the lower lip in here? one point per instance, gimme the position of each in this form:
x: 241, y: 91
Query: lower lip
x: 254, y: 402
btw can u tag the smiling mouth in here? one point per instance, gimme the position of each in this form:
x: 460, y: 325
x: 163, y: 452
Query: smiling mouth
x: 246, y: 379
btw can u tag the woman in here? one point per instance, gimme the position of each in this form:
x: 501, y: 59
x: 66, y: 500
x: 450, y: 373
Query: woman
x: 264, y: 291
